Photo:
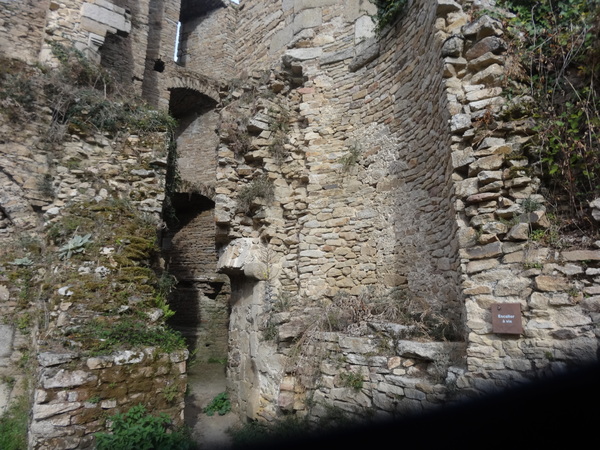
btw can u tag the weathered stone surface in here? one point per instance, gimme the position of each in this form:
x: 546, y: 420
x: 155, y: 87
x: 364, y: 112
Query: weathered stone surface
x: 481, y: 265
x: 484, y: 251
x: 243, y: 256
x: 490, y: 44
x: 483, y: 197
x: 44, y: 411
x: 68, y: 379
x: 595, y: 205
x: 551, y: 283
x: 364, y: 56
x: 453, y: 46
x: 48, y: 359
x: 487, y: 163
x: 445, y: 7
x: 491, y: 76
x: 483, y: 27
x: 460, y: 122
x: 519, y: 232
x: 431, y: 351
x: 7, y: 333
x: 581, y: 255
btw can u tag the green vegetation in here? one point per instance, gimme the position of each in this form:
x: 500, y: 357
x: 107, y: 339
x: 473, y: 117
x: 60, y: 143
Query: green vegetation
x: 123, y: 286
x: 102, y: 336
x: 170, y: 392
x: 80, y: 94
x: 23, y: 262
x: 288, y: 428
x: 13, y: 425
x: 220, y: 405
x: 17, y: 91
x: 260, y: 187
x: 137, y: 429
x: 236, y: 136
x: 350, y: 159
x: 75, y: 245
x: 83, y: 97
x: 256, y: 433
x: 214, y: 360
x: 352, y: 380
x: 556, y: 43
x: 388, y: 11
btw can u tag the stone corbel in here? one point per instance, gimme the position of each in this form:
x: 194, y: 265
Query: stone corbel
x: 243, y: 256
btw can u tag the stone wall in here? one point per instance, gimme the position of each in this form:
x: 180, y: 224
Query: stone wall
x: 396, y: 166
x: 43, y: 176
x: 22, y: 22
x: 207, y: 42
x: 133, y: 38
x: 343, y: 110
x: 394, y: 175
x: 500, y: 211
x: 363, y: 199
x: 201, y: 300
x: 74, y: 395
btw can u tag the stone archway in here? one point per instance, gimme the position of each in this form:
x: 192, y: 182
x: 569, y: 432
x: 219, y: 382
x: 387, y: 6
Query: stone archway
x: 201, y: 300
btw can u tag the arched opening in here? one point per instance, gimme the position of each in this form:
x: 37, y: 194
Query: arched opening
x: 201, y: 297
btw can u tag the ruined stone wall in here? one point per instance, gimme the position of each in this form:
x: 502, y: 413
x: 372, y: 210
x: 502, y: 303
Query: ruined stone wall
x: 396, y: 164
x: 207, y: 43
x: 73, y: 395
x: 347, y: 106
x: 131, y: 38
x: 500, y: 211
x: 84, y: 25
x: 162, y: 35
x: 363, y: 200
x: 434, y: 201
x: 23, y: 23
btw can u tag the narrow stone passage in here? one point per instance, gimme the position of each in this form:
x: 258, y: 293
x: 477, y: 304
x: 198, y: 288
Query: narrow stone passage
x: 205, y: 382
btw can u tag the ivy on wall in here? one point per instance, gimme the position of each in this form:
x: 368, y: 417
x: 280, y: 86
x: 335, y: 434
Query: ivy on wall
x: 559, y: 50
x: 388, y: 11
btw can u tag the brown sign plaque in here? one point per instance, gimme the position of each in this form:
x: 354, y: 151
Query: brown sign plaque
x: 506, y: 318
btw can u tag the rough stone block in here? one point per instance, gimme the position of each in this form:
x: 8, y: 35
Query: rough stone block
x: 460, y: 123
x: 549, y: 283
x: 307, y: 18
x: 7, y: 333
x: 491, y: 44
x: 581, y: 255
x: 484, y: 251
x: 106, y: 17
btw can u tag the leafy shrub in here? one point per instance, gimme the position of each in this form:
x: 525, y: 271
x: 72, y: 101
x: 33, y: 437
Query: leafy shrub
x: 24, y: 262
x: 220, y: 404
x: 137, y: 429
x: 388, y: 11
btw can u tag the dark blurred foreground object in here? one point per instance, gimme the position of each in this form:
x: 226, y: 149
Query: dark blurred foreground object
x: 553, y: 411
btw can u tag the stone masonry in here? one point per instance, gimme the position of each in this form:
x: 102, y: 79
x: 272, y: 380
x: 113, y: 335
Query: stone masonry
x: 329, y: 171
